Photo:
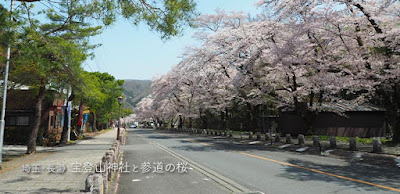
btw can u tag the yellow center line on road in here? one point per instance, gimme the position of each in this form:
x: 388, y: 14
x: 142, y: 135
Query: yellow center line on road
x: 297, y: 166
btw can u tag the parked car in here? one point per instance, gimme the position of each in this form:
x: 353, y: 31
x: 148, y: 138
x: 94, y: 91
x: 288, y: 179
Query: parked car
x: 133, y: 126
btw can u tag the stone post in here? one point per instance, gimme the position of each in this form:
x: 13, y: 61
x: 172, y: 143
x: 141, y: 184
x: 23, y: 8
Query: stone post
x: 94, y: 184
x: 267, y: 137
x: 376, y: 146
x: 315, y: 140
x: 250, y: 135
x: 277, y: 137
x: 301, y: 139
x: 288, y: 139
x: 352, y: 144
x: 332, y: 142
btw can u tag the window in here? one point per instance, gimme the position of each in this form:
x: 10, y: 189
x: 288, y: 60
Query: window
x: 11, y: 120
x: 17, y: 121
x: 22, y: 120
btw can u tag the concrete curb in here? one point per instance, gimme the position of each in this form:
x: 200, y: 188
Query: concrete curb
x: 98, y: 182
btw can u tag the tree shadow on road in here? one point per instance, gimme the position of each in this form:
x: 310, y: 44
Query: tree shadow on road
x: 388, y: 177
x: 19, y: 179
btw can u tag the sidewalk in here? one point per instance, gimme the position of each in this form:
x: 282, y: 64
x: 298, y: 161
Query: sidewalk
x: 60, y: 169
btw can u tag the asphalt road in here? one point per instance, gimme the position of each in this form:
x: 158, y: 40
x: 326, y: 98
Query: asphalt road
x: 139, y: 150
x: 246, y: 168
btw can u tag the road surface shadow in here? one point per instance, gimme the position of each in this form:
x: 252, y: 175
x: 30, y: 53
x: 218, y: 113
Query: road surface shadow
x: 376, y: 175
x: 19, y: 179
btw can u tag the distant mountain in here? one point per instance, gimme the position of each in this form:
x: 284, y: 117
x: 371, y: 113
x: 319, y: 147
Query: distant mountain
x: 135, y: 90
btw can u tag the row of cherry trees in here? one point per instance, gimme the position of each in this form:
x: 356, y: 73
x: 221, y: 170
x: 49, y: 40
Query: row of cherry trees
x: 296, y: 54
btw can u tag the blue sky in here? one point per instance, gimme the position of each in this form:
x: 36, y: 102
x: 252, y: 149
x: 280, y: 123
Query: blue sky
x: 130, y: 52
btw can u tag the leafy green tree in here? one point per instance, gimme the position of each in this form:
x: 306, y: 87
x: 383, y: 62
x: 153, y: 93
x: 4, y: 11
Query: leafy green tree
x: 50, y: 43
x: 100, y: 95
x: 48, y: 54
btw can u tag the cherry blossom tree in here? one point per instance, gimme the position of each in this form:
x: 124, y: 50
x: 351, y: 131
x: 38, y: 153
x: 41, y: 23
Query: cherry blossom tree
x: 298, y: 55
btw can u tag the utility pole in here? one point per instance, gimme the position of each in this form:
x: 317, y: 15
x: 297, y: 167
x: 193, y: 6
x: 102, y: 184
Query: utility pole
x: 3, y: 110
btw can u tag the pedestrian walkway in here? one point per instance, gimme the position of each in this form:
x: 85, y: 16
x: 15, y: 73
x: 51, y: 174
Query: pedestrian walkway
x: 60, y: 169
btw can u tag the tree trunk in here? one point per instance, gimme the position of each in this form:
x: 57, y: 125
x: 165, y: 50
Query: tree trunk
x: 396, y: 130
x: 172, y: 123
x: 180, y: 125
x: 94, y: 128
x: 395, y: 106
x: 222, y: 120
x: 64, y: 133
x: 226, y: 119
x: 38, y: 109
x: 249, y: 117
x: 311, y: 99
x: 45, y: 120
x: 256, y: 118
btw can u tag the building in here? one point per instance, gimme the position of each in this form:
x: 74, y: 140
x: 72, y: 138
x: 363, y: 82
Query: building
x: 20, y: 118
x: 337, y: 119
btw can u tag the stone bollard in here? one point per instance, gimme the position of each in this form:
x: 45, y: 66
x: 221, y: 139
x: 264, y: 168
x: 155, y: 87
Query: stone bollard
x: 376, y: 146
x: 250, y: 135
x: 109, y: 162
x: 267, y: 137
x: 111, y: 154
x: 288, y: 139
x: 301, y: 139
x: 352, y: 144
x: 258, y: 136
x: 103, y: 168
x: 94, y: 184
x: 315, y: 141
x: 332, y: 142
x: 277, y: 137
